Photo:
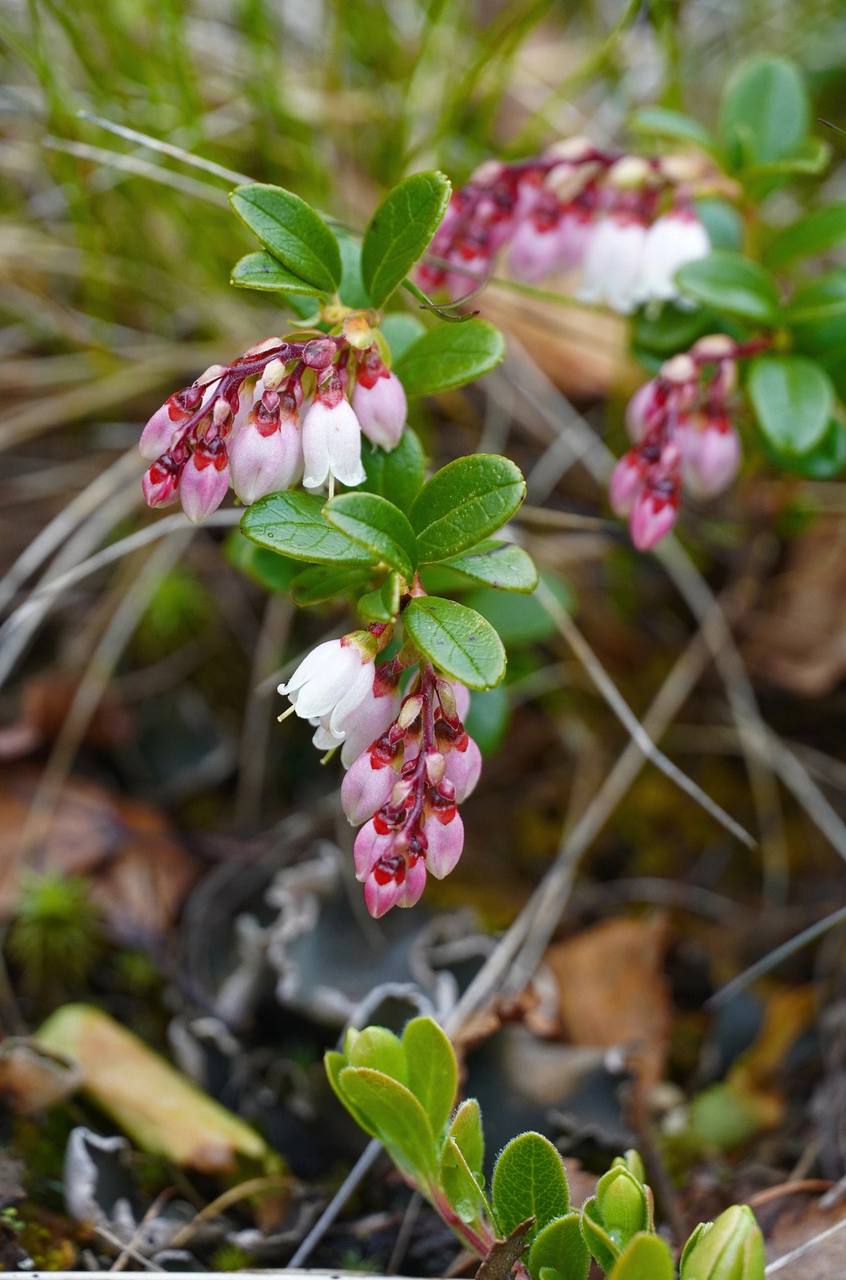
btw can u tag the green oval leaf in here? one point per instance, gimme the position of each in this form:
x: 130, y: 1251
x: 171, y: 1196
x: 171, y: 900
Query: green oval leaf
x: 503, y: 565
x: 464, y: 502
x: 646, y: 1257
x: 292, y: 231
x: 793, y: 399
x: 450, y: 356
x: 262, y: 271
x: 400, y: 230
x: 397, y: 1117
x: 293, y: 523
x: 335, y: 1064
x: 561, y: 1247
x: 432, y: 1069
x: 460, y: 1187
x: 817, y: 314
x: 379, y: 1048
x: 529, y: 1181
x: 521, y: 620
x: 378, y: 526
x: 731, y: 284
x: 765, y: 112
x: 397, y: 474
x: 324, y: 582
x: 401, y: 330
x: 817, y: 232
x: 663, y: 122
x: 466, y: 1131
x: 270, y: 570
x: 825, y: 461
x: 457, y: 640
x: 597, y: 1239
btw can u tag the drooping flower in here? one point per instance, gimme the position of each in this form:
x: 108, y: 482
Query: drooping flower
x: 379, y: 402
x: 674, y: 239
x: 710, y: 453
x: 204, y: 479
x: 333, y: 680
x: 331, y: 438
x: 613, y: 261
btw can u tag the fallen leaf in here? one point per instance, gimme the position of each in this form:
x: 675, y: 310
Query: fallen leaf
x: 612, y: 990
x: 149, y: 1099
x: 792, y: 1220
x: 138, y: 871
x: 45, y: 703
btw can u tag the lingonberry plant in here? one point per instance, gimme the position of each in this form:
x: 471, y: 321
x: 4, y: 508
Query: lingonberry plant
x: 684, y: 240
x: 325, y: 405
x: 673, y: 235
x: 403, y: 1092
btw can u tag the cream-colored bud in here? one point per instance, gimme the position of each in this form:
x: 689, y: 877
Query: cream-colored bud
x: 683, y: 167
x: 567, y: 181
x: 679, y: 370
x: 273, y: 375
x: 487, y: 173
x: 714, y: 346
x: 357, y: 331
x: 569, y: 149
x: 629, y: 173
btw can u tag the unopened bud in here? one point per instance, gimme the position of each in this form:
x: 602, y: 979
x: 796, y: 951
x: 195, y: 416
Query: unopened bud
x: 572, y: 150
x: 409, y: 711
x: 357, y: 331
x: 714, y: 346
x: 273, y: 374
x: 435, y: 766
x: 623, y: 1205
x: 568, y: 180
x: 679, y: 370
x: 732, y: 1248
x: 629, y: 173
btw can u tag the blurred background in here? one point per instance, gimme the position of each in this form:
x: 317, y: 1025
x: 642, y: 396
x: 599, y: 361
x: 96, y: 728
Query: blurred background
x: 169, y: 854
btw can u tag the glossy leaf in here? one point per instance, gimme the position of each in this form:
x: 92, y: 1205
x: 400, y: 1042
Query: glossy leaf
x: 432, y: 1069
x: 334, y: 1064
x: 663, y: 122
x: 817, y: 314
x: 321, y: 582
x: 383, y: 604
x: 597, y: 1239
x: 825, y: 461
x: 270, y: 570
x: 765, y: 112
x: 646, y: 1257
x: 450, y: 356
x: 529, y: 1182
x: 561, y: 1247
x: 817, y: 232
x: 457, y: 640
x: 400, y: 230
x: 793, y: 399
x: 461, y: 1188
x: 262, y: 271
x: 398, y: 474
x: 379, y: 1048
x: 465, y: 502
x: 397, y: 1117
x: 292, y: 231
x: 731, y: 284
x: 378, y: 526
x: 503, y: 565
x: 351, y: 291
x: 520, y: 620
x: 722, y: 221
x: 293, y: 523
x: 466, y: 1131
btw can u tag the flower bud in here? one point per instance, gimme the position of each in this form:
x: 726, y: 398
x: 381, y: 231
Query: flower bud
x: 385, y: 887
x: 262, y: 463
x: 623, y: 1205
x: 157, y: 435
x: 653, y: 515
x: 415, y: 883
x: 380, y: 404
x: 627, y: 480
x: 463, y: 767
x: 369, y: 847
x: 331, y: 443
x: 535, y: 249
x: 205, y: 479
x: 159, y: 483
x: 444, y: 843
x: 731, y: 1248
x: 644, y: 409
x: 319, y: 353
x: 710, y: 452
x: 365, y: 789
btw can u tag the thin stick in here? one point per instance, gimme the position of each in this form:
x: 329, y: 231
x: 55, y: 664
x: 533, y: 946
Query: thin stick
x: 166, y: 148
x: 357, y: 1173
x: 141, y: 168
x: 802, y: 1249
x: 774, y: 958
x: 582, y: 650
x: 255, y: 1186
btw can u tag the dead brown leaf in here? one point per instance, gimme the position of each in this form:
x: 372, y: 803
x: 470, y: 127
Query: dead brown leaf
x: 138, y: 871
x: 612, y: 990
x: 45, y: 703
x: 791, y: 1220
x: 797, y: 639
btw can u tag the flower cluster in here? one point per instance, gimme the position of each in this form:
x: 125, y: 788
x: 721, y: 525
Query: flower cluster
x: 282, y: 412
x: 627, y: 222
x: 683, y: 437
x: 409, y: 760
